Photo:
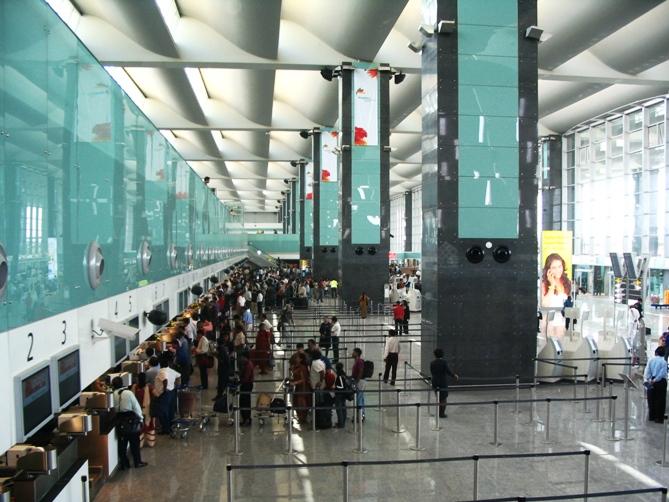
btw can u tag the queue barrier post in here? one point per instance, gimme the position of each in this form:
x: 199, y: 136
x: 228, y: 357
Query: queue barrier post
x: 229, y: 488
x: 586, y: 474
x: 289, y: 446
x: 517, y: 393
x: 380, y: 409
x: 663, y: 462
x: 417, y: 446
x: 398, y: 427
x: 585, y: 396
x: 405, y: 375
x: 475, y: 484
x: 344, y: 475
x: 612, y: 418
x: 495, y: 430
x: 361, y: 446
x: 663, y: 495
x: 547, y: 425
x: 626, y: 432
x: 313, y: 410
x: 575, y: 377
x: 237, y: 433
x: 437, y: 412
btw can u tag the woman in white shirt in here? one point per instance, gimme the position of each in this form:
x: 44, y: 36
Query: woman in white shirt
x: 203, y: 359
x: 125, y: 402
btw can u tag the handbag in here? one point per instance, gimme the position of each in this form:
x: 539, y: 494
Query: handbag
x: 128, y: 424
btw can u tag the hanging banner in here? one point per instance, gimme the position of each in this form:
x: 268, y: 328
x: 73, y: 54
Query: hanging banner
x: 366, y: 106
x: 308, y: 205
x: 329, y: 157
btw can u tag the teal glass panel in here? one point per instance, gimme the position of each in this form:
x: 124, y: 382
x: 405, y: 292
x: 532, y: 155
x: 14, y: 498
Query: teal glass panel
x: 487, y: 223
x: 488, y: 70
x: 81, y: 164
x: 365, y: 195
x: 488, y: 12
x: 309, y: 223
x: 329, y: 207
x: 487, y: 131
x: 274, y: 244
x: 487, y: 100
x: 488, y: 196
x: 487, y: 40
x: 487, y: 161
x: 488, y: 192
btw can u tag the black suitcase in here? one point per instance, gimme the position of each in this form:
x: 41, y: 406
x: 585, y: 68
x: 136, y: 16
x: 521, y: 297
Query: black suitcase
x: 324, y: 412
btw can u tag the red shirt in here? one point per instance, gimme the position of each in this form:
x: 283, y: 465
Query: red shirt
x: 398, y: 312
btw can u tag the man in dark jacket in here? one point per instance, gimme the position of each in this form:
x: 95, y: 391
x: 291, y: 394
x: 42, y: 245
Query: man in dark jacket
x: 439, y: 370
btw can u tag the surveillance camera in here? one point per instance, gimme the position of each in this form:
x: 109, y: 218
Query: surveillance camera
x: 446, y: 26
x: 426, y: 30
x: 415, y: 47
x: 118, y: 329
x: 304, y: 133
x: 292, y: 163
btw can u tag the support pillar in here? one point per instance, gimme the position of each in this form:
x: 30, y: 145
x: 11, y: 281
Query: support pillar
x: 365, y: 211
x: 479, y: 247
x: 327, y: 230
x: 293, y: 208
x: 408, y: 217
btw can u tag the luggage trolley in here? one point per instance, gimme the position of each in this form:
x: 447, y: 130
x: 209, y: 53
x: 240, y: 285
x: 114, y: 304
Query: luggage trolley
x: 186, y: 421
x: 266, y: 406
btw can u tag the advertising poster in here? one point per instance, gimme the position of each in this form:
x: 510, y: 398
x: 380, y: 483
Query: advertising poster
x: 366, y: 106
x: 555, y: 282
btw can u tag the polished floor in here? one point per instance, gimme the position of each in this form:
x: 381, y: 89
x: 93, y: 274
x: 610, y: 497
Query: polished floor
x: 195, y: 468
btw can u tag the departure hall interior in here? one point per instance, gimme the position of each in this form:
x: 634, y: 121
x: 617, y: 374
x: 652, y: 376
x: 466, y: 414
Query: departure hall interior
x: 314, y: 250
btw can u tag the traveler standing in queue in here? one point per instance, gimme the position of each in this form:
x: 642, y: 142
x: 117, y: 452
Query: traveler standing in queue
x: 439, y: 370
x: 247, y: 317
x: 183, y: 358
x: 164, y: 390
x: 224, y: 364
x: 655, y: 381
x: 335, y: 331
x: 125, y: 402
x: 203, y: 359
x: 341, y: 386
x: 391, y: 354
x: 407, y: 316
x: 363, y: 303
x: 325, y: 339
x: 398, y: 316
x: 246, y: 378
x: 358, y: 377
x: 334, y: 285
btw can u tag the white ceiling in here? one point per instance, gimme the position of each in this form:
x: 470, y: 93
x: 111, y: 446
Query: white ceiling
x: 231, y: 82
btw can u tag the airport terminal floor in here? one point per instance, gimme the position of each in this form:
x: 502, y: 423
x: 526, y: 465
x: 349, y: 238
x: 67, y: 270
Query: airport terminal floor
x: 194, y: 468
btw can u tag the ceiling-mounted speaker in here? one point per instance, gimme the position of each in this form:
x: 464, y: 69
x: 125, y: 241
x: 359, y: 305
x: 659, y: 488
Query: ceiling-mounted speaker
x: 475, y: 254
x: 144, y: 257
x: 359, y: 250
x: 4, y: 271
x: 371, y: 250
x: 197, y: 290
x: 156, y: 317
x: 94, y: 264
x: 324, y: 250
x: 501, y: 254
x: 333, y: 250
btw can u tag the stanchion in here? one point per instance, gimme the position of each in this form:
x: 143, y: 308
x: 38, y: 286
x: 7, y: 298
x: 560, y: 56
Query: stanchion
x: 229, y: 469
x: 600, y: 394
x: 355, y: 414
x: 410, y: 351
x: 533, y: 403
x: 663, y: 462
x: 437, y: 414
x: 429, y: 401
x: 517, y: 394
x: 586, y: 474
x: 495, y: 429
x: 575, y: 381
x: 237, y: 433
x: 585, y: 396
x: 417, y: 446
x: 547, y: 425
x: 627, y: 411
x: 380, y: 409
x: 475, y: 494
x: 289, y: 412
x: 610, y: 382
x: 344, y: 477
x: 612, y: 418
x: 361, y: 446
x: 398, y: 427
x: 405, y: 376
x: 313, y: 410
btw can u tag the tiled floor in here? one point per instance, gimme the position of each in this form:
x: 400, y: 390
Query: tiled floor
x: 195, y: 468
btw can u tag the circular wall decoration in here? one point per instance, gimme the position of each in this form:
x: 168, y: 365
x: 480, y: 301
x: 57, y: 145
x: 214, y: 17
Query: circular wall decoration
x: 4, y: 271
x: 94, y: 263
x: 144, y: 257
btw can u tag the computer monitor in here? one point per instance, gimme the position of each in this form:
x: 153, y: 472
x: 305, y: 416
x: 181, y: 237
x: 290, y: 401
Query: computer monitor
x: 66, y: 374
x: 120, y: 350
x: 33, y: 401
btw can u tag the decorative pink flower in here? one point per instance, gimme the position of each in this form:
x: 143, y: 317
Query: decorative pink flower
x: 325, y: 175
x: 360, y: 136
x: 373, y: 72
x: 310, y: 196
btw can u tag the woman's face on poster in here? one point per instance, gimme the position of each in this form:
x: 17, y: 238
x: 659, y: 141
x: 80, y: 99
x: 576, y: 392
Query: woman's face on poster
x: 555, y: 271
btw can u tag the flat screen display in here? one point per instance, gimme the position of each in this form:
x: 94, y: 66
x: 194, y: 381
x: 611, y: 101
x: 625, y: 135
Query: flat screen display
x: 36, y: 396
x: 120, y: 349
x: 69, y: 383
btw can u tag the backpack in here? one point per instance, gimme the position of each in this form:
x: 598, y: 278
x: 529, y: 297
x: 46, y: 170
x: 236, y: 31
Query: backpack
x: 368, y: 369
x: 348, y: 389
x: 330, y: 378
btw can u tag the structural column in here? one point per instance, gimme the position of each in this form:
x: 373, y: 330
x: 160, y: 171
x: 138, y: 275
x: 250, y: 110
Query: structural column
x: 479, y: 245
x: 327, y: 229
x: 365, y: 209
x: 408, y: 220
x: 306, y: 210
x: 293, y: 207
x: 551, y: 182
